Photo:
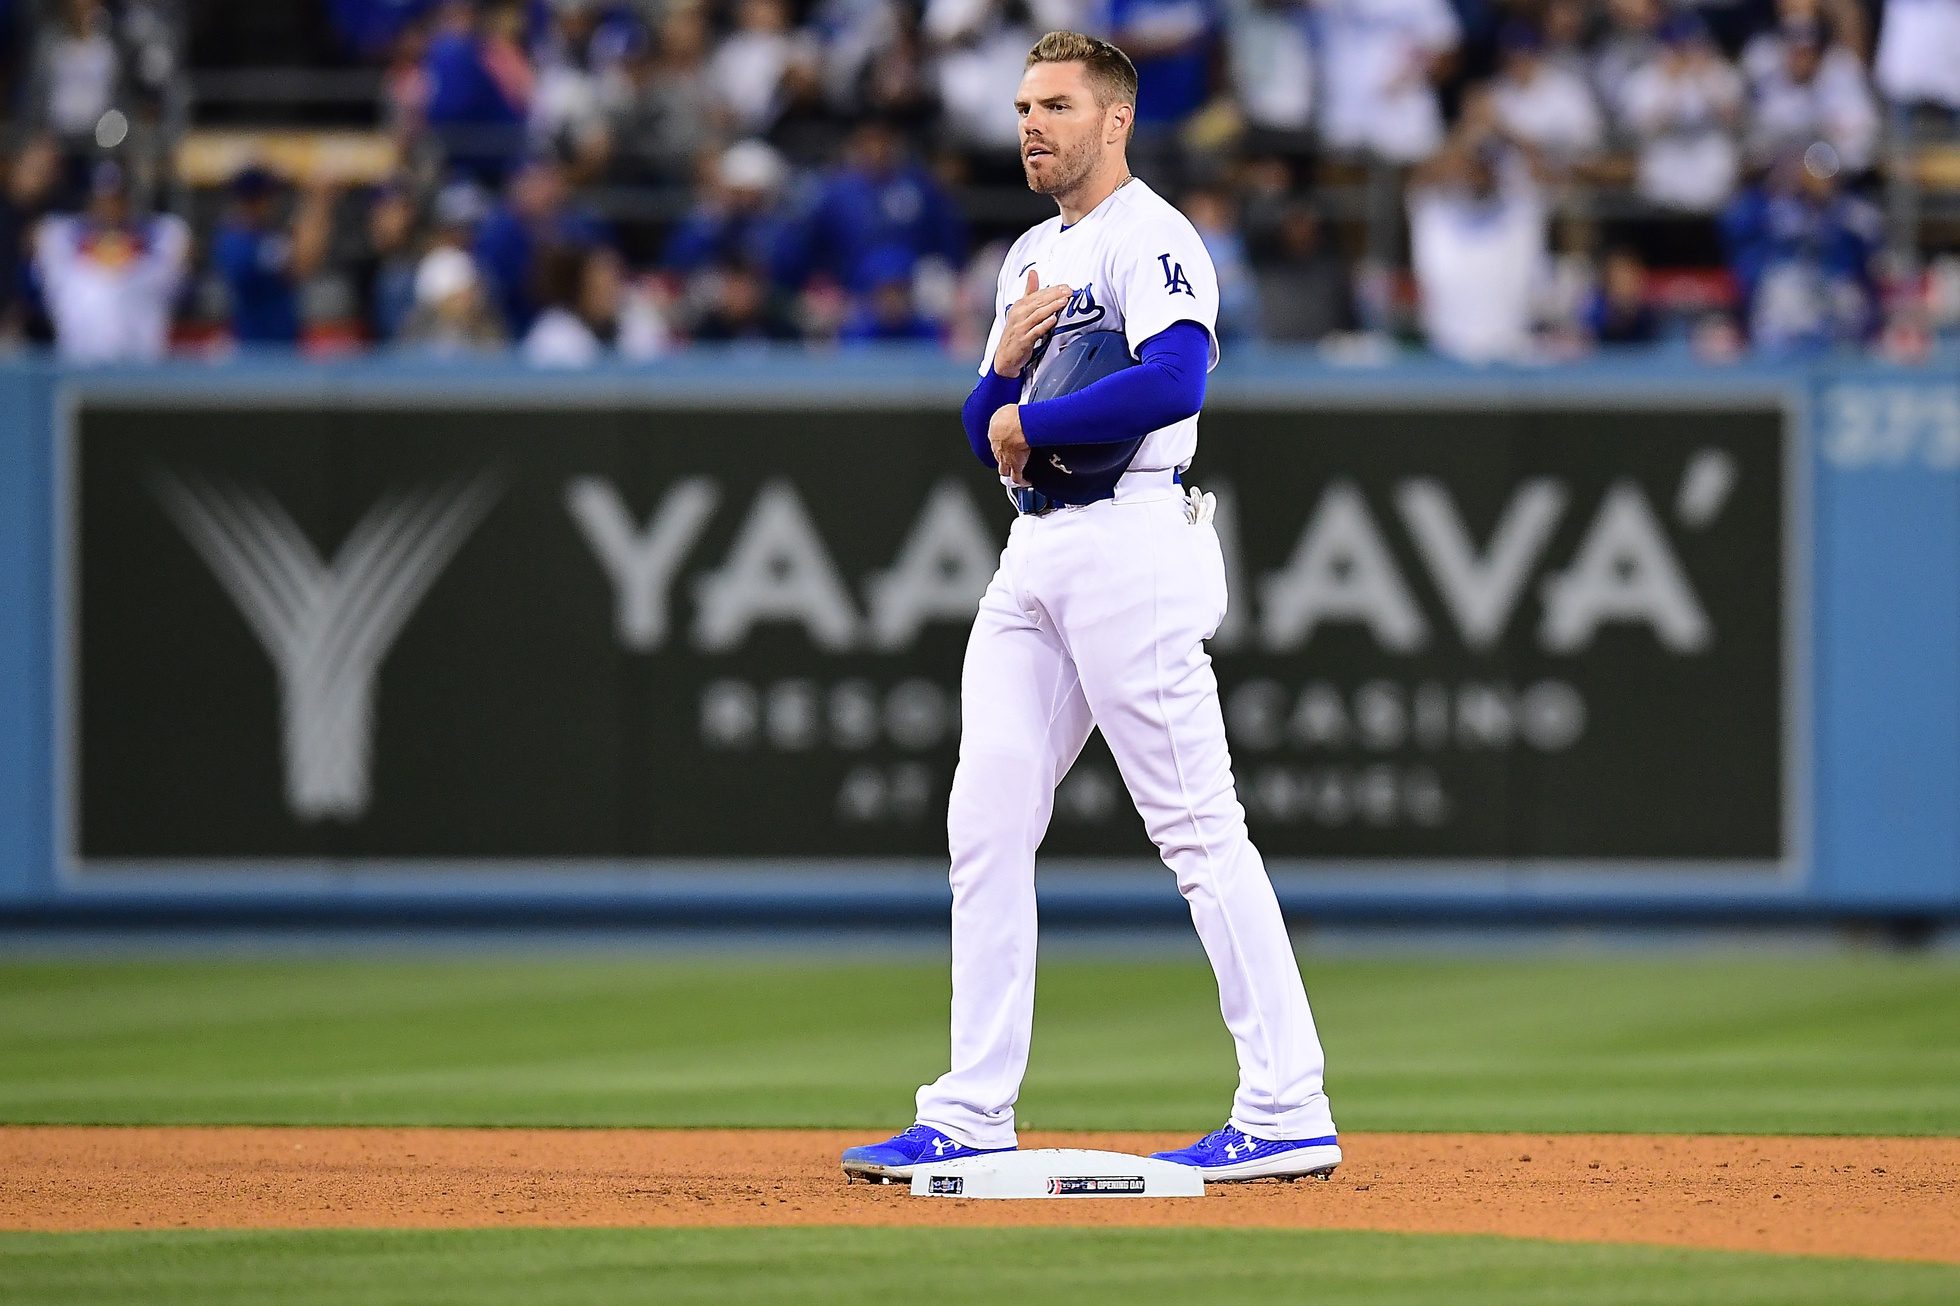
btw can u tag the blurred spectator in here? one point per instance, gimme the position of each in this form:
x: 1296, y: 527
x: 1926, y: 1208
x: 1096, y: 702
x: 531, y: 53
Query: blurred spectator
x: 478, y: 85
x: 1684, y: 105
x: 452, y: 316
x: 1211, y: 213
x: 852, y: 38
x: 973, y: 308
x: 1381, y: 61
x: 897, y: 85
x: 639, y: 307
x: 1304, y: 291
x: 889, y: 312
x: 26, y: 194
x: 1563, y: 24
x: 151, y: 35
x: 404, y: 98
x: 1170, y: 42
x: 824, y: 221
x: 1943, y: 294
x: 1271, y: 60
x: 1477, y: 234
x: 581, y: 47
x: 591, y: 312
x: 537, y: 211
x: 75, y: 71
x: 746, y: 69
x: 371, y: 27
x: 265, y: 263
x: 384, y: 272
x: 1632, y: 41
x: 459, y: 211
x: 1543, y: 103
x: 981, y: 47
x: 1268, y: 186
x: 808, y: 125
x: 1827, y: 24
x: 1572, y: 277
x: 660, y: 109
x: 1803, y: 253
x: 504, y: 48
x: 1917, y: 63
x: 741, y: 219
x: 110, y: 278
x: 878, y: 199
x: 740, y: 309
x: 564, y: 334
x: 1811, y: 91
x: 1618, y: 313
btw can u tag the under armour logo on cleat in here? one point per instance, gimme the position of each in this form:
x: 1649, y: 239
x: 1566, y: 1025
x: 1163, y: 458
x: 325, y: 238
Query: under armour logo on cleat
x: 941, y: 1146
x: 1248, y: 1147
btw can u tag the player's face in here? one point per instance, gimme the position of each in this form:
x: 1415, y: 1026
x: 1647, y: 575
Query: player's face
x: 1062, y: 127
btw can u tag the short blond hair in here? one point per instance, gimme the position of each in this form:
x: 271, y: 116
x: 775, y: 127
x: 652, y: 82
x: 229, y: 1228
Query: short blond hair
x: 1109, y: 70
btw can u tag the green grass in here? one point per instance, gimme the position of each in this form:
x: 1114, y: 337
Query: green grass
x: 1840, y: 1044
x: 716, y: 1267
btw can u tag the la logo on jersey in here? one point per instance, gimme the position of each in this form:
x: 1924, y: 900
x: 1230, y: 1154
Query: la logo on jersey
x: 1175, y: 281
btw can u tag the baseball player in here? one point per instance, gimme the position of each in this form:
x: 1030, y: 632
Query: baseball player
x: 1111, y: 581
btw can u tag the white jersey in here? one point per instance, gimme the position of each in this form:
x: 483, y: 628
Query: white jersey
x: 1137, y: 266
x: 110, y: 293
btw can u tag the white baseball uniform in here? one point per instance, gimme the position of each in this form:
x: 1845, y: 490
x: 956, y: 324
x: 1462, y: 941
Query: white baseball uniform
x: 1097, y: 618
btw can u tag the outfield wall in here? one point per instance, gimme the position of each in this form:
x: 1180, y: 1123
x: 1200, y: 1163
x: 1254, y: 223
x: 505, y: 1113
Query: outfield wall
x: 378, y: 640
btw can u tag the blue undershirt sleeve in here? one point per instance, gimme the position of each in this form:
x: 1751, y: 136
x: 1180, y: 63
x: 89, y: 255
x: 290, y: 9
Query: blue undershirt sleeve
x: 994, y: 393
x: 1167, y: 385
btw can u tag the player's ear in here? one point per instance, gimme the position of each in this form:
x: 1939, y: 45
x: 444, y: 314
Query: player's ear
x: 1118, y: 124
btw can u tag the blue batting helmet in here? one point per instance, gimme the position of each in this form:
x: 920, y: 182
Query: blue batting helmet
x: 1079, y: 473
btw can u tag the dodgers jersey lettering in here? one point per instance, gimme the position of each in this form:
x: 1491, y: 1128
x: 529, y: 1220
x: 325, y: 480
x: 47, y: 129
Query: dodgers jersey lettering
x: 1137, y: 266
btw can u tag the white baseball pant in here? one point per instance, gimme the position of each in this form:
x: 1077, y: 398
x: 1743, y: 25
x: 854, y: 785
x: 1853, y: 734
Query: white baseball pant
x: 1097, y: 617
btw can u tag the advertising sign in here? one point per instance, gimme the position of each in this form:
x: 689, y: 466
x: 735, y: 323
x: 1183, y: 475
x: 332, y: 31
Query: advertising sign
x: 579, y: 635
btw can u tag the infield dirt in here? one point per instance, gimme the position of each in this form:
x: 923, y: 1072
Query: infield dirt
x: 1882, y: 1197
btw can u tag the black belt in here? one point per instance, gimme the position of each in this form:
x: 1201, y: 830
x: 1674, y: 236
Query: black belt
x: 1030, y: 502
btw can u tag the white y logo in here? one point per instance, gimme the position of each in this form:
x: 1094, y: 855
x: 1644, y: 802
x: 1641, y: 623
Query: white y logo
x: 941, y: 1146
x: 326, y: 626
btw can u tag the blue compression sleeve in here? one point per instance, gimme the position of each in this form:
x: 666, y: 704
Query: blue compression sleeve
x: 994, y: 393
x: 1167, y: 385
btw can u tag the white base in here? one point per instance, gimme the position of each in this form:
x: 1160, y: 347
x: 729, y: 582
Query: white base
x: 1057, y: 1172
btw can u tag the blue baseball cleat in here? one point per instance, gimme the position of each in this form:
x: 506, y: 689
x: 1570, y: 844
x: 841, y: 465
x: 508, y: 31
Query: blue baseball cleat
x: 1230, y: 1154
x: 895, y: 1157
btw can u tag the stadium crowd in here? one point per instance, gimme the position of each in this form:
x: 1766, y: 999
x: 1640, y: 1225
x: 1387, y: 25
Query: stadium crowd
x: 577, y: 179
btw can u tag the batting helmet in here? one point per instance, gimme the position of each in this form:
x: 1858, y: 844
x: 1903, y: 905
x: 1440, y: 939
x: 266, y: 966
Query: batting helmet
x: 1079, y: 473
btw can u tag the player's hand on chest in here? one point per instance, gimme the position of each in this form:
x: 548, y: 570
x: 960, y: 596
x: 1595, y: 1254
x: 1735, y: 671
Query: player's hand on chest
x: 1092, y: 301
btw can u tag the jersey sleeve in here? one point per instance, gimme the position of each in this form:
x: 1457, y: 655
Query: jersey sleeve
x: 993, y: 336
x: 1166, y: 277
